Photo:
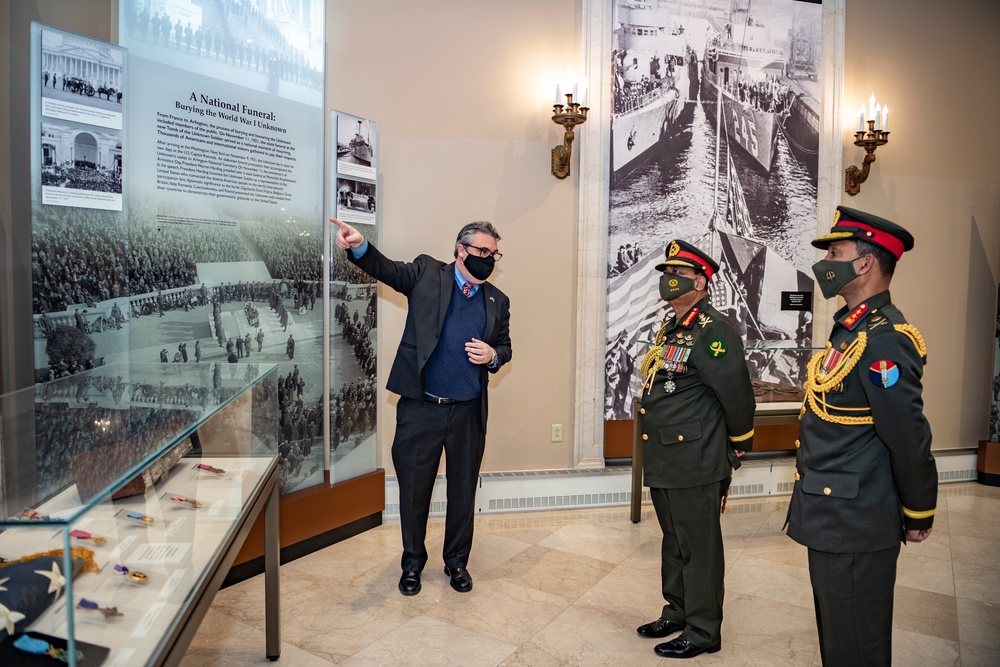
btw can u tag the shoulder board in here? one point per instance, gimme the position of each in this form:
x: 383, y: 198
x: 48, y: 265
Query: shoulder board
x: 911, y: 332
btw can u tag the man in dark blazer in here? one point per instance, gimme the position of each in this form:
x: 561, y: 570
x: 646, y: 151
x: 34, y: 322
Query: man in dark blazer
x: 865, y: 478
x: 457, y: 333
x: 696, y: 417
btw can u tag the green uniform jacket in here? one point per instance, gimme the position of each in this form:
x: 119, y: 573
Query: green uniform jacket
x: 690, y: 434
x: 859, y: 484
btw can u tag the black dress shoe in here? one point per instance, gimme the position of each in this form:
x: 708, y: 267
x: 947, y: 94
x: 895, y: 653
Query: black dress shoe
x: 461, y: 580
x: 409, y: 583
x: 658, y: 629
x: 682, y: 648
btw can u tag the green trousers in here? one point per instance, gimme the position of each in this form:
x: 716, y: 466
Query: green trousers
x: 692, y: 561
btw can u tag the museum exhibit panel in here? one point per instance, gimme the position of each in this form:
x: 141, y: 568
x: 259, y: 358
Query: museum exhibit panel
x: 128, y: 491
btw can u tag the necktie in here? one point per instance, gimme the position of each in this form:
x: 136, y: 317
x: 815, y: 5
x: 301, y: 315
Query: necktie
x: 467, y: 290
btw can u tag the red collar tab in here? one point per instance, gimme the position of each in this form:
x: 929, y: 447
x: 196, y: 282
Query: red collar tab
x: 876, y: 236
x: 690, y: 318
x: 855, y: 316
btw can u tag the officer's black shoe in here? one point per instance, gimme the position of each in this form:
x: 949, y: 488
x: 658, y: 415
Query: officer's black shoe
x: 461, y: 580
x: 409, y: 583
x: 658, y: 629
x: 682, y: 648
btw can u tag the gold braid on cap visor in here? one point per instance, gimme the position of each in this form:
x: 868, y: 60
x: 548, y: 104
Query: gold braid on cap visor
x: 818, y: 383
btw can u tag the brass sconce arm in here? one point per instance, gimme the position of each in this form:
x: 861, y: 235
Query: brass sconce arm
x: 869, y: 141
x: 569, y: 116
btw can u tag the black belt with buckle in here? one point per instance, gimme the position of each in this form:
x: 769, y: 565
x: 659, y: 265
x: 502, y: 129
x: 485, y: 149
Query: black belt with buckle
x: 439, y: 400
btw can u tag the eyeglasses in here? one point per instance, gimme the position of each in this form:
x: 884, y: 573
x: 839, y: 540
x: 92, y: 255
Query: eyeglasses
x: 484, y: 252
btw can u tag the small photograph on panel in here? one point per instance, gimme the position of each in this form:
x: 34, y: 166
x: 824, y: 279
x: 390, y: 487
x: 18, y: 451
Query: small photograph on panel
x: 81, y: 79
x: 81, y: 166
x: 356, y: 144
x: 273, y: 47
x: 355, y: 202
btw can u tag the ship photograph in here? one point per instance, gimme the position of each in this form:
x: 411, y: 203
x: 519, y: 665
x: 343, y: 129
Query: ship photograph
x: 356, y: 146
x: 743, y: 189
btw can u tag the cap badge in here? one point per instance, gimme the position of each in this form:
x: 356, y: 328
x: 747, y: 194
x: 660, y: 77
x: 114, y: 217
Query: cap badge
x: 836, y: 216
x: 674, y: 249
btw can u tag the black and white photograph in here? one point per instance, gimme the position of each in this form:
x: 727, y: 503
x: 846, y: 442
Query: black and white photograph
x: 354, y: 367
x: 229, y: 295
x: 81, y: 167
x: 272, y: 47
x: 743, y: 190
x: 356, y: 146
x: 81, y: 79
x: 355, y: 201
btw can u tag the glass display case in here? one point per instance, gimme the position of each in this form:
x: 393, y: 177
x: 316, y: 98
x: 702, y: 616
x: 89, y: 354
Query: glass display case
x: 127, y: 492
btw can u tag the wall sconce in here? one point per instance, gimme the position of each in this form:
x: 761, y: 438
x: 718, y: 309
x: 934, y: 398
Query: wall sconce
x: 569, y: 115
x: 877, y: 135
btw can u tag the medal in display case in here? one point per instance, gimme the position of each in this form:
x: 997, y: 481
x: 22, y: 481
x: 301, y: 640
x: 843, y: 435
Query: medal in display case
x: 127, y: 492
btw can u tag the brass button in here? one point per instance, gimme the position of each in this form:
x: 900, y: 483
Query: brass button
x: 797, y: 478
x: 642, y: 411
x: 827, y: 491
x: 680, y: 437
x: 797, y: 445
x: 645, y: 437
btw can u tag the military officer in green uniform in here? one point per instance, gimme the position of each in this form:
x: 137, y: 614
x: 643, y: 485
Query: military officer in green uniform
x: 865, y: 478
x: 697, y: 419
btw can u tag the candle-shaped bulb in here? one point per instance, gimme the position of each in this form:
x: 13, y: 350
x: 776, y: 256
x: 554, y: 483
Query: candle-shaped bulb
x: 584, y: 96
x: 559, y: 97
x: 885, y: 118
x: 878, y: 117
x: 871, y: 107
x: 861, y: 118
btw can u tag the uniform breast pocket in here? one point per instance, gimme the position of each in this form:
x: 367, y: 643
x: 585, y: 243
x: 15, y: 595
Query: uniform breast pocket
x: 833, y: 484
x: 676, y: 433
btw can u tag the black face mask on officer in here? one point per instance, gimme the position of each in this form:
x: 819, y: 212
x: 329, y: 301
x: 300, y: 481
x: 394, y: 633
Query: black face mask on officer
x: 479, y: 268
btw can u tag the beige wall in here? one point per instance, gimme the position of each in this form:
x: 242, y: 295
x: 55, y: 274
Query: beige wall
x: 461, y: 90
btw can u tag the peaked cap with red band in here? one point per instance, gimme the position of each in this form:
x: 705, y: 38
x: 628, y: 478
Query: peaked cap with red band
x: 682, y: 253
x: 849, y: 223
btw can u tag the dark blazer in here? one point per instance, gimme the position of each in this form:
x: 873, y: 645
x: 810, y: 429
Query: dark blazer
x: 427, y: 284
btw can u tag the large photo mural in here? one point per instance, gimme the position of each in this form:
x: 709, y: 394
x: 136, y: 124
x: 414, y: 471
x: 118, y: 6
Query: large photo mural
x: 714, y: 141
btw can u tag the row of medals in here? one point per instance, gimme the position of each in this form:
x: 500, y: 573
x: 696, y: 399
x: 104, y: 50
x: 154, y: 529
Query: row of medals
x: 672, y: 367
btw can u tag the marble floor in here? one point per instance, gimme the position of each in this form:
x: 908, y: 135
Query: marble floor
x: 570, y: 587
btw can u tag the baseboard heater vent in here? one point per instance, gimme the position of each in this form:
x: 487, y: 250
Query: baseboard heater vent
x: 538, y: 490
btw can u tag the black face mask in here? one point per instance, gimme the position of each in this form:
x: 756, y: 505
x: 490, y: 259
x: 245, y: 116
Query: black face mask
x: 479, y: 267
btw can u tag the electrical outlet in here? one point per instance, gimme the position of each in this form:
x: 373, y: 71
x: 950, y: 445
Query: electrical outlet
x: 557, y: 433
